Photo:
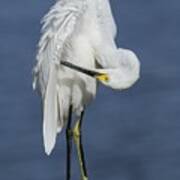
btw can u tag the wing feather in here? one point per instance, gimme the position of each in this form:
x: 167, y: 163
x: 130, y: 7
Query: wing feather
x: 58, y: 25
x: 50, y: 112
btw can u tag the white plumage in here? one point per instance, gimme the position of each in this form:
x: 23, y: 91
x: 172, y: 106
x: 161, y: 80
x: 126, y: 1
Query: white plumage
x: 81, y: 32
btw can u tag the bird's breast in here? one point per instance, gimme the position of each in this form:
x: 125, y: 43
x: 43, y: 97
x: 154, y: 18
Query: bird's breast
x: 81, y: 87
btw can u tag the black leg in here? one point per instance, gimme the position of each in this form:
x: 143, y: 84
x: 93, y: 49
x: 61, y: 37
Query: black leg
x: 81, y: 146
x: 69, y: 144
x: 78, y: 141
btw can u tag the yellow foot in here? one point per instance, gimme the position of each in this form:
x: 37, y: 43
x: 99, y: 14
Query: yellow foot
x: 84, y: 178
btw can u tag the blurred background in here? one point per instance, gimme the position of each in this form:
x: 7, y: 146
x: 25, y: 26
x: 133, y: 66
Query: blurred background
x: 132, y: 135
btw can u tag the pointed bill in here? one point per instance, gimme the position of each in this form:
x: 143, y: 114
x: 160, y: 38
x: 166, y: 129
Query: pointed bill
x: 99, y: 76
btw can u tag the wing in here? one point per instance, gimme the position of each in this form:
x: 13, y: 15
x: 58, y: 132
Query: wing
x: 105, y: 17
x: 58, y: 26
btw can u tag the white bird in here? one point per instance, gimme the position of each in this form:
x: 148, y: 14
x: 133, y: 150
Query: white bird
x: 76, y: 49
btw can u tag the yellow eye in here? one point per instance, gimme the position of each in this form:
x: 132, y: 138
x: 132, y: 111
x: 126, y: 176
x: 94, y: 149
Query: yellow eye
x: 102, y: 77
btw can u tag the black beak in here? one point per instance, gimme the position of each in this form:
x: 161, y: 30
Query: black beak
x: 80, y: 69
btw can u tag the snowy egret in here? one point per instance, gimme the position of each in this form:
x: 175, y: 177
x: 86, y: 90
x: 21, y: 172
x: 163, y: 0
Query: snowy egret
x: 76, y: 50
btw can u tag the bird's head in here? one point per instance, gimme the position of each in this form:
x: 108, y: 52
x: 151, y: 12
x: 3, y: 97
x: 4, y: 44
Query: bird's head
x: 122, y: 77
x: 125, y: 73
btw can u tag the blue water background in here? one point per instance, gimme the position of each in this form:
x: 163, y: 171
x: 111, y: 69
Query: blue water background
x: 132, y: 135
